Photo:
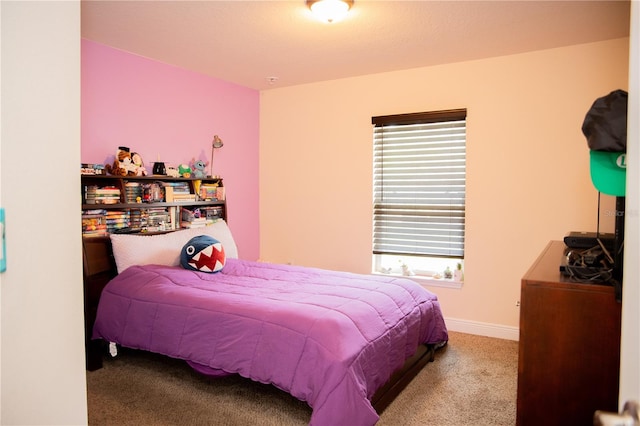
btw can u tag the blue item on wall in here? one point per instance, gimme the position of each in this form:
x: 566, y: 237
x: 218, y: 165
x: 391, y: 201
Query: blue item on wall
x: 3, y: 251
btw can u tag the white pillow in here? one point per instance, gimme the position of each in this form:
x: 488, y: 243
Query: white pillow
x: 164, y: 249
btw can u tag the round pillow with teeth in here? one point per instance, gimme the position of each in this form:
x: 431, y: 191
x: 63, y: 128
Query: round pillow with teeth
x: 203, y: 253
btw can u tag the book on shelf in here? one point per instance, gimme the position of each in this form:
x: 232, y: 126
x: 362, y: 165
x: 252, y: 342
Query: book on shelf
x: 168, y: 194
x: 220, y: 193
x: 184, y: 198
x: 178, y: 187
x: 174, y: 214
x: 209, y: 191
x: 96, y: 230
x: 91, y: 224
x: 197, y: 220
x: 94, y: 194
x: 94, y: 223
x: 97, y: 233
x: 117, y: 219
x: 185, y: 224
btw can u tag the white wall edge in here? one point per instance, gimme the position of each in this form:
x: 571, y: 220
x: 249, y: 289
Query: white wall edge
x: 483, y: 329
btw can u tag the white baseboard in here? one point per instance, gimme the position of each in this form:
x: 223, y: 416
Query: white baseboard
x: 483, y: 329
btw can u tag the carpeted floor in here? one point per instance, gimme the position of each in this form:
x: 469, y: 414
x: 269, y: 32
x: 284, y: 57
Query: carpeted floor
x: 472, y: 381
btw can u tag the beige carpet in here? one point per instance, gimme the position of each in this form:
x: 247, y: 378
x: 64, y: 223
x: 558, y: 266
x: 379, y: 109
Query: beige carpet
x: 472, y: 381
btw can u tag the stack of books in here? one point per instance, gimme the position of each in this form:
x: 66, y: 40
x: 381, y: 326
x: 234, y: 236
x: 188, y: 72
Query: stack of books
x: 156, y: 219
x: 212, y: 212
x: 133, y: 192
x: 178, y: 192
x: 94, y: 223
x: 94, y: 194
x: 135, y: 219
x: 91, y: 169
x: 117, y: 219
x: 209, y: 191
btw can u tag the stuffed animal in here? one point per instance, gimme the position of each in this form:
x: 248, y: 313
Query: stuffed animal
x: 173, y: 172
x: 199, y: 169
x: 139, y: 170
x: 204, y: 254
x: 184, y: 170
x: 122, y: 164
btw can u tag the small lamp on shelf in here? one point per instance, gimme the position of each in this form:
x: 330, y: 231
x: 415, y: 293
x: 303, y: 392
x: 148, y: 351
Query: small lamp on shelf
x: 215, y: 144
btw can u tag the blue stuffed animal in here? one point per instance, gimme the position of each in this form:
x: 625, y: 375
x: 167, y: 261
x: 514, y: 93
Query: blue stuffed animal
x: 198, y: 169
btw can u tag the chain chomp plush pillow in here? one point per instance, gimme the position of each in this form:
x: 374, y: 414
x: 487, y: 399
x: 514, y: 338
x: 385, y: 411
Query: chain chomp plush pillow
x: 203, y: 253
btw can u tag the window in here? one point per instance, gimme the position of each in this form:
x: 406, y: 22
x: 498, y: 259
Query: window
x: 419, y: 178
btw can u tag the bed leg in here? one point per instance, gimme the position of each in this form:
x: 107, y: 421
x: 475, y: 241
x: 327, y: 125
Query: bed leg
x: 113, y: 349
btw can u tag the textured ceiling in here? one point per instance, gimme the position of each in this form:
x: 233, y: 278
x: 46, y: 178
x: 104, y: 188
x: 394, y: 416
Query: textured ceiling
x: 248, y: 42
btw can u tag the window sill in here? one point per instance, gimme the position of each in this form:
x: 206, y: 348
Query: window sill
x: 427, y: 281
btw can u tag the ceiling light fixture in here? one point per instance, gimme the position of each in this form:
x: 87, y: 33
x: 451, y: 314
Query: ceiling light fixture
x: 330, y: 10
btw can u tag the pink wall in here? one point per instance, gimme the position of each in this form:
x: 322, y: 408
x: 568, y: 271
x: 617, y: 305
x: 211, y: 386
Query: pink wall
x: 165, y: 112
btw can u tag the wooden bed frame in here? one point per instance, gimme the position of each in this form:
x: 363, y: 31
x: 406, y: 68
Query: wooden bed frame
x: 99, y: 267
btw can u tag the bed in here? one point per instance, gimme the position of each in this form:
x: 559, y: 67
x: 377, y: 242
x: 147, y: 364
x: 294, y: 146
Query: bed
x: 344, y: 343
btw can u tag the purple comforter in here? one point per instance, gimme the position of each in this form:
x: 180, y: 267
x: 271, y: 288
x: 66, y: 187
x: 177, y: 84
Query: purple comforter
x: 328, y: 338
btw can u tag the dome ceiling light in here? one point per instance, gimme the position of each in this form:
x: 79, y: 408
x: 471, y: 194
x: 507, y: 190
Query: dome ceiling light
x: 330, y: 10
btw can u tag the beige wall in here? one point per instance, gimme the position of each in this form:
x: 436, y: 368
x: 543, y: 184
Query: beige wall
x: 42, y: 360
x: 527, y: 165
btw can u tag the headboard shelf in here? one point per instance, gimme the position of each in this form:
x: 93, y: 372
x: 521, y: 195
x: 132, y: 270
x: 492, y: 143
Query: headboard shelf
x: 147, y: 203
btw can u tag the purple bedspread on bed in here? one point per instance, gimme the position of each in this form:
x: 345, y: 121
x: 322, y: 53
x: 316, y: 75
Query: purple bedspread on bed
x: 328, y: 338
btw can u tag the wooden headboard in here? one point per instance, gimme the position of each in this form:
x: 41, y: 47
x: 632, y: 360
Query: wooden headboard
x: 97, y: 256
x: 99, y: 267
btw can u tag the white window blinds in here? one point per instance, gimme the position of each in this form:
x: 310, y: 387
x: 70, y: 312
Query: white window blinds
x: 419, y: 184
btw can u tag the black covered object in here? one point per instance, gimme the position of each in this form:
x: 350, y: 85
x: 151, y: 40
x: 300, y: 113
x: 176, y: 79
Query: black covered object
x: 605, y: 125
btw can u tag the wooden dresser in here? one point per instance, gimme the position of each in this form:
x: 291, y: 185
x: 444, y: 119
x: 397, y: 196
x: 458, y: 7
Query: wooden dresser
x: 569, y: 349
